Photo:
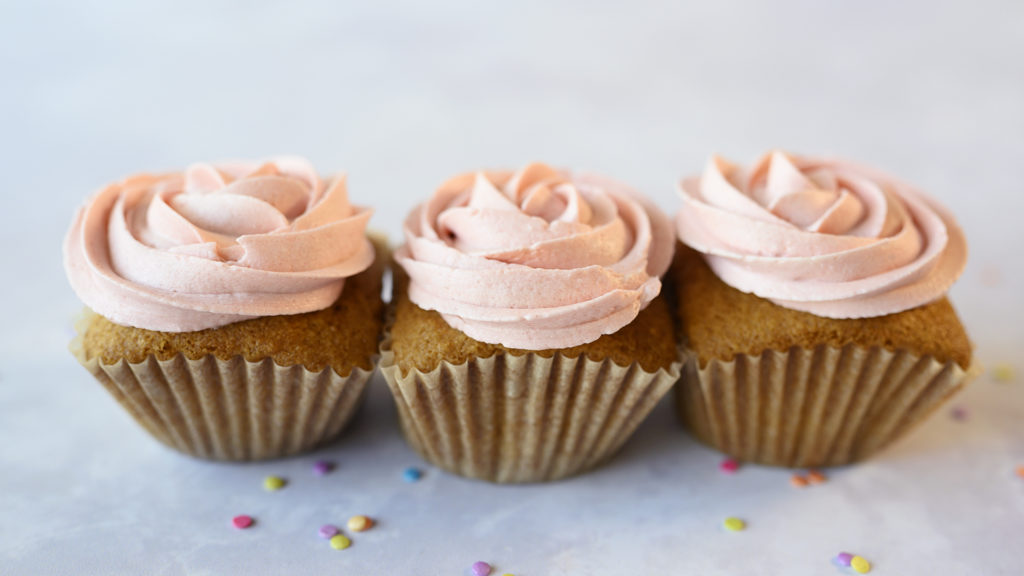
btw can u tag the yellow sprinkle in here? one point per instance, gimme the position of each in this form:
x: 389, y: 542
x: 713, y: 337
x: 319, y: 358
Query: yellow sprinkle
x: 1002, y: 372
x: 734, y: 524
x: 340, y: 542
x: 272, y: 483
x: 359, y: 523
x: 860, y: 565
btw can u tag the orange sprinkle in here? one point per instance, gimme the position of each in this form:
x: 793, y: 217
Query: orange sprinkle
x: 798, y: 481
x: 815, y: 477
x: 1020, y: 471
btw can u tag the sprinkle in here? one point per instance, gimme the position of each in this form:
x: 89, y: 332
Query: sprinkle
x: 1020, y: 471
x: 729, y: 466
x: 860, y: 565
x: 359, y: 523
x: 843, y: 558
x: 412, y: 474
x: 242, y: 521
x: 798, y: 481
x: 1002, y: 372
x: 958, y: 413
x: 273, y: 483
x: 328, y: 531
x: 481, y: 568
x: 340, y: 542
x: 322, y: 467
x: 734, y: 524
x: 815, y: 477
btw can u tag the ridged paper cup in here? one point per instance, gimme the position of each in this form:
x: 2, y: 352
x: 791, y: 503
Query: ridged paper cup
x: 813, y: 407
x: 231, y: 409
x: 525, y: 418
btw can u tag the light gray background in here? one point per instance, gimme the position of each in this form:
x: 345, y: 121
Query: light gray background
x: 402, y: 95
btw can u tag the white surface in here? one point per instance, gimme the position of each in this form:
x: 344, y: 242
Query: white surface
x: 402, y: 96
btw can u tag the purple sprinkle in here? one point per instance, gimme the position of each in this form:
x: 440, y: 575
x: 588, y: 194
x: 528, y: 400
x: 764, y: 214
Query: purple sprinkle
x: 844, y: 558
x: 328, y: 531
x: 958, y: 413
x: 481, y: 569
x: 321, y: 467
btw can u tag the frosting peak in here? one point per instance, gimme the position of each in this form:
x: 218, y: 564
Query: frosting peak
x: 535, y: 259
x: 216, y: 244
x: 820, y: 235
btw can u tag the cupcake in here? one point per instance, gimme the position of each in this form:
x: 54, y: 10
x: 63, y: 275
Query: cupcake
x: 233, y: 309
x: 812, y: 303
x: 529, y: 337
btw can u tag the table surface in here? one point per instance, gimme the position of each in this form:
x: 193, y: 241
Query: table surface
x: 402, y: 95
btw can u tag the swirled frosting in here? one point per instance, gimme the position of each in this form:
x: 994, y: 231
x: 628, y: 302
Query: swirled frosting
x: 216, y: 244
x: 820, y: 235
x: 536, y: 259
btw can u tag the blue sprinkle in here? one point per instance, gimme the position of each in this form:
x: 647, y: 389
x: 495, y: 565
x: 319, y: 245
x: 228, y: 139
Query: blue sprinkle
x: 412, y: 475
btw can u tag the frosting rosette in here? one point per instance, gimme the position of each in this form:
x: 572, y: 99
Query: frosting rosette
x: 820, y: 235
x: 536, y: 259
x: 216, y: 244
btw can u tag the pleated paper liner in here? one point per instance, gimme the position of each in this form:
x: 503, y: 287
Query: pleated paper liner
x: 525, y: 418
x: 813, y: 407
x: 231, y: 409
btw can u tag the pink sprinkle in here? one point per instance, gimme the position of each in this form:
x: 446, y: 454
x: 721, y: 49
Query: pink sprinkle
x: 729, y: 466
x: 844, y: 558
x: 242, y: 522
x: 481, y: 569
x: 322, y: 467
x: 958, y: 413
x: 328, y: 531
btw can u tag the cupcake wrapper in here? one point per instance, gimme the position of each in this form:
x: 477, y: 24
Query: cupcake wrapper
x: 813, y: 407
x: 522, y: 418
x: 232, y: 409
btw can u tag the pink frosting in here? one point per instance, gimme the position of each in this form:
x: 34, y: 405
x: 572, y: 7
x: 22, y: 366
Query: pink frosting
x: 215, y: 245
x: 821, y: 235
x: 535, y: 260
